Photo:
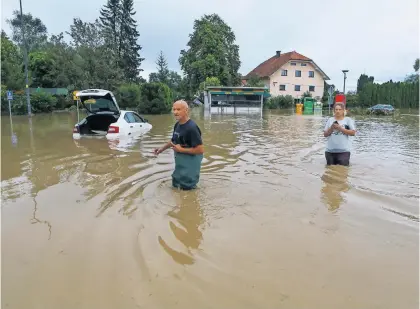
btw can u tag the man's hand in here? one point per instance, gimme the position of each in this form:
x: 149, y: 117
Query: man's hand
x: 177, y: 147
x: 157, y: 151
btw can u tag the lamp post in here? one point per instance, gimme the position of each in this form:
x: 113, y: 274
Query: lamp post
x: 28, y: 99
x: 345, y: 77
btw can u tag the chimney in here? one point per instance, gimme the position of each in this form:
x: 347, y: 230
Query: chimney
x: 278, y: 52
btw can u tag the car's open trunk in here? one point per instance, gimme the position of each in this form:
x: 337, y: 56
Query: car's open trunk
x: 97, y: 124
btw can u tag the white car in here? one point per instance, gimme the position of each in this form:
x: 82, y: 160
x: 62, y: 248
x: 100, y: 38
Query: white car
x: 105, y: 117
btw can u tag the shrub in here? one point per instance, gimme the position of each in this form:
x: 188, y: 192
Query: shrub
x: 156, y: 98
x: 280, y: 102
x: 128, y: 95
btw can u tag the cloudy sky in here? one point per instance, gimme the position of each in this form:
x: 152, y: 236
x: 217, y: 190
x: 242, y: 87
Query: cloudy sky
x: 376, y: 37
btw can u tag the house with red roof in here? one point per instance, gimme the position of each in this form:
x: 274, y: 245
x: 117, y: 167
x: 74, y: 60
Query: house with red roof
x: 290, y: 74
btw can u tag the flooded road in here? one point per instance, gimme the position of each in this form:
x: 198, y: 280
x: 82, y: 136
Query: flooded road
x: 96, y: 224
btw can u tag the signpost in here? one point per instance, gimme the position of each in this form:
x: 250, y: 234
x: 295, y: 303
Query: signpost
x: 76, y: 98
x: 10, y: 98
x: 330, y: 98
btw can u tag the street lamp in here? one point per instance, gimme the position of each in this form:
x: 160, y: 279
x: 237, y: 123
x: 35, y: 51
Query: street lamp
x: 28, y: 100
x: 345, y: 77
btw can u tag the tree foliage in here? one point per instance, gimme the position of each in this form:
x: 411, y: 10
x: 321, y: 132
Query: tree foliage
x: 399, y: 94
x: 211, y: 52
x: 34, y: 30
x: 120, y: 33
x: 156, y: 98
x: 105, y: 54
x: 363, y: 81
x: 12, y: 75
x: 279, y: 102
x: 255, y: 81
x: 162, y: 74
x: 210, y: 81
x: 129, y: 96
x: 416, y: 65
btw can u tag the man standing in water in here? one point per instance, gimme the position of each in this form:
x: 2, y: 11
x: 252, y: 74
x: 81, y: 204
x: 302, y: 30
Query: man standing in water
x: 338, y: 129
x: 188, y: 148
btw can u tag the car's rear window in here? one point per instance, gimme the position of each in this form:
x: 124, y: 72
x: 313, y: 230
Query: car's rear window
x: 98, y: 103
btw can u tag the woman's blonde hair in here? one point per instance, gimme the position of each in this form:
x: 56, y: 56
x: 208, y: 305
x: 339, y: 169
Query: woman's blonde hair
x: 339, y: 104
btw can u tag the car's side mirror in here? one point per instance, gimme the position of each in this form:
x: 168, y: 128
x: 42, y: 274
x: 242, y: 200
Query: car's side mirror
x: 145, y: 120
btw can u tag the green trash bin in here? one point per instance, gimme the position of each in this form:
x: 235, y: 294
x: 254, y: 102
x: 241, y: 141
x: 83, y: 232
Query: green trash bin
x: 308, y: 106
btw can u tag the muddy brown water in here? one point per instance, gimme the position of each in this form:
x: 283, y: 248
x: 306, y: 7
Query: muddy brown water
x: 96, y: 224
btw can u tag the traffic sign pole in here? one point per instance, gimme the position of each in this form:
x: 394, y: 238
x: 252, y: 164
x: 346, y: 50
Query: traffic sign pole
x: 10, y: 98
x: 330, y: 94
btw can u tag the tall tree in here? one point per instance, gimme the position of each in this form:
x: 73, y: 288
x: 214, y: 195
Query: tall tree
x: 416, y: 65
x: 130, y: 49
x: 86, y: 34
x: 121, y: 36
x: 110, y: 17
x: 363, y: 81
x: 65, y: 72
x: 42, y: 65
x: 162, y: 69
x: 212, y: 53
x: 412, y: 78
x: 35, y: 30
x: 11, y: 64
x: 93, y: 62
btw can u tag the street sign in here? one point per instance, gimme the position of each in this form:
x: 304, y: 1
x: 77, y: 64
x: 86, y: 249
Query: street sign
x: 9, y: 95
x: 331, y: 90
x: 75, y: 98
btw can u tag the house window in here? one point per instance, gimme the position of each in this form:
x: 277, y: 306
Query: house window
x: 303, y: 64
x: 297, y: 87
x: 293, y: 63
x: 311, y: 88
x: 298, y: 73
x: 282, y: 87
x: 283, y: 72
x: 311, y: 74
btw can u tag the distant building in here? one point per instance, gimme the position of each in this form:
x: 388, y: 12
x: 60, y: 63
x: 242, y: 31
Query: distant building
x: 290, y: 74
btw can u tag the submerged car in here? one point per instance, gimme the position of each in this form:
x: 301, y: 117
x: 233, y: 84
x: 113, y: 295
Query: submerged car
x: 381, y: 109
x: 104, y: 117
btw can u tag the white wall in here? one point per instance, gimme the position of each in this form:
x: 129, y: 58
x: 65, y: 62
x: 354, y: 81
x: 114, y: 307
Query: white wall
x: 290, y: 80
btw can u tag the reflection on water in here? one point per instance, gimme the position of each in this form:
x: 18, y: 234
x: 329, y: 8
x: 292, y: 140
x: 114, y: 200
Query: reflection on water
x: 36, y: 220
x: 185, y: 227
x: 335, y: 184
x: 102, y: 215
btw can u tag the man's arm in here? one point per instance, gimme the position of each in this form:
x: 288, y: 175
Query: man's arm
x: 194, y: 138
x: 199, y: 149
x: 163, y: 148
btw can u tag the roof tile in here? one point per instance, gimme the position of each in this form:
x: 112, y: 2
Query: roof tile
x: 271, y: 65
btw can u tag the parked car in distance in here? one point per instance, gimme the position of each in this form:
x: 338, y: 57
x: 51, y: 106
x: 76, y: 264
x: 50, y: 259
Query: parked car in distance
x: 381, y: 109
x: 104, y: 117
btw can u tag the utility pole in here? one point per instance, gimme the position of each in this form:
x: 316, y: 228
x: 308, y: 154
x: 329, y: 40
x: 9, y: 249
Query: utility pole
x: 28, y: 99
x: 345, y: 77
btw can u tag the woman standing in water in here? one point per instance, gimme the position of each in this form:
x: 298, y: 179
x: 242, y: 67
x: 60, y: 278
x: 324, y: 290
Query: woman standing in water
x: 337, y: 130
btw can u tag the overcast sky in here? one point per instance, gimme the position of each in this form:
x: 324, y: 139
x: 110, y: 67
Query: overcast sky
x: 376, y: 37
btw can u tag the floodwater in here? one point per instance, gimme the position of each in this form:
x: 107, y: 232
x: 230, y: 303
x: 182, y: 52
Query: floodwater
x: 96, y: 224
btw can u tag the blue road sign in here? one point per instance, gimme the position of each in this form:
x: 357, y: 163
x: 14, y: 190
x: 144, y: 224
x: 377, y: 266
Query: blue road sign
x: 9, y: 95
x: 330, y: 90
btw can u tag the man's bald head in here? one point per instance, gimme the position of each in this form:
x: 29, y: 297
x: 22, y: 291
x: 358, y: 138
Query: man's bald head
x: 181, y: 103
x: 180, y: 110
